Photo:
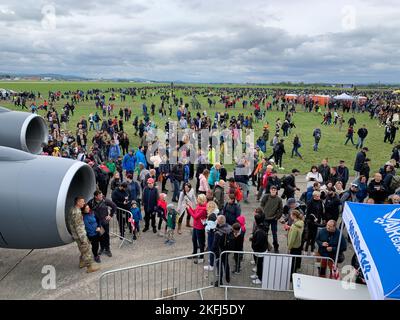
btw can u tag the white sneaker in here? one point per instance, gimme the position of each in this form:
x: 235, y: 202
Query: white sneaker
x: 254, y: 269
x: 252, y: 262
x: 198, y: 261
x: 257, y: 281
x: 253, y: 277
x: 160, y: 234
x: 208, y: 268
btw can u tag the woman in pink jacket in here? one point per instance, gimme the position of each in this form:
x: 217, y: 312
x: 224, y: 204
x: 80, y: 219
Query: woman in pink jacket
x: 204, y: 186
x: 199, y: 215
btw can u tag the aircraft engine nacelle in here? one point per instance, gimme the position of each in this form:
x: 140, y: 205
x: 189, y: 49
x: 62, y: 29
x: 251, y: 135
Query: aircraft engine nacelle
x: 22, y: 131
x: 36, y: 192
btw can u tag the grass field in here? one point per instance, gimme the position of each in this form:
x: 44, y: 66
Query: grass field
x: 331, y: 145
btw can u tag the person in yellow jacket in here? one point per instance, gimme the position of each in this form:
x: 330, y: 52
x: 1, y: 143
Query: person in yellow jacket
x: 211, y: 156
x: 295, y: 238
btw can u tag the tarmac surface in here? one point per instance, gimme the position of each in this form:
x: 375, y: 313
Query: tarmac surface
x: 23, y: 271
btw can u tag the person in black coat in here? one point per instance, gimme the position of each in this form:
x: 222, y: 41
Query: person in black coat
x: 289, y: 184
x: 314, y: 219
x: 362, y: 134
x: 279, y: 150
x: 221, y: 236
x: 273, y: 180
x: 376, y: 189
x: 324, y: 170
x: 332, y: 206
x: 259, y: 243
x: 238, y: 245
x: 231, y: 210
x: 223, y: 173
x: 365, y: 169
x: 396, y: 155
x: 133, y: 190
x: 360, y: 159
x: 343, y: 173
x: 150, y: 199
x: 102, y: 178
x: 165, y: 169
x: 177, y: 176
x: 120, y: 197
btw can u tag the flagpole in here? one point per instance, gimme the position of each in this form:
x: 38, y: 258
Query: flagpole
x: 340, y: 240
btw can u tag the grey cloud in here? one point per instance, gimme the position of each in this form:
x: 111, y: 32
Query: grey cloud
x: 193, y: 41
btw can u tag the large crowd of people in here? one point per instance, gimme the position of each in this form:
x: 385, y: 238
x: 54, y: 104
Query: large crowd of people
x: 136, y: 178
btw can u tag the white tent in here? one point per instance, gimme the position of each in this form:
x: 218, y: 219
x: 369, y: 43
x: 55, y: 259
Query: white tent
x: 343, y: 96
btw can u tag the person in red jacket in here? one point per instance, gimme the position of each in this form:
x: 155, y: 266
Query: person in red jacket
x: 162, y: 213
x: 199, y: 215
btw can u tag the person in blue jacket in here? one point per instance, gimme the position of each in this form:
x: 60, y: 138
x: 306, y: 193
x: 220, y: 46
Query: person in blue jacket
x: 328, y: 245
x: 137, y: 217
x: 92, y: 227
x: 213, y: 178
x: 140, y: 157
x: 129, y: 162
x: 114, y: 151
x: 261, y: 144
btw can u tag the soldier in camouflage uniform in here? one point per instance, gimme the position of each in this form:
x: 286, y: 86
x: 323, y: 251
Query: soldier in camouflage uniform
x: 78, y: 232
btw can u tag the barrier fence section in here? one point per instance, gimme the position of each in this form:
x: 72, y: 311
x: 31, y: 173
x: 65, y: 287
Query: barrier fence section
x: 158, y: 280
x: 273, y: 270
x: 120, y: 226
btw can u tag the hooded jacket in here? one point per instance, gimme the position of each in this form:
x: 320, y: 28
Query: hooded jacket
x: 221, y: 232
x: 295, y: 234
x: 211, y: 222
x: 114, y: 152
x: 129, y: 162
x: 213, y: 177
x: 140, y: 158
x: 231, y: 212
x: 242, y: 222
x: 259, y: 241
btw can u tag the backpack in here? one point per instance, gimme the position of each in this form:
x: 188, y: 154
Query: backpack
x: 394, y: 183
x: 229, y: 242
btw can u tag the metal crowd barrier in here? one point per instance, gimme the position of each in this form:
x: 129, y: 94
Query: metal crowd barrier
x: 158, y: 280
x: 121, y: 217
x: 277, y: 270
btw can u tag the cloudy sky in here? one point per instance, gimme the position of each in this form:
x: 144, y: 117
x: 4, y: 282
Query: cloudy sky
x: 350, y: 41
